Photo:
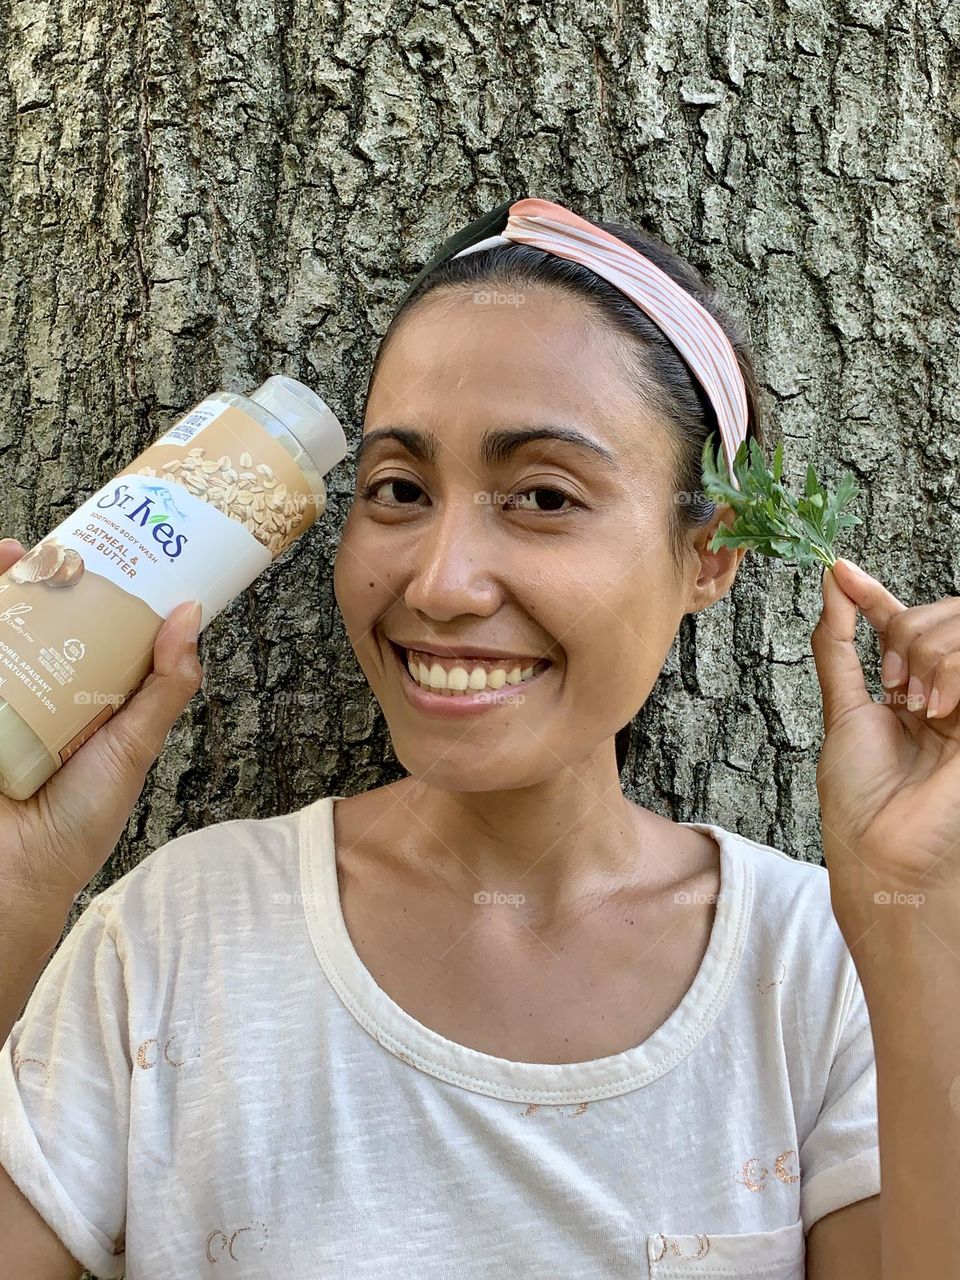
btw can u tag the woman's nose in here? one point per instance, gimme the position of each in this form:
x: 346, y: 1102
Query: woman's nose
x: 449, y: 566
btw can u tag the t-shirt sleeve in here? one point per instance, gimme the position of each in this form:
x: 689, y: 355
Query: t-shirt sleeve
x: 65, y: 1075
x: 840, y: 1159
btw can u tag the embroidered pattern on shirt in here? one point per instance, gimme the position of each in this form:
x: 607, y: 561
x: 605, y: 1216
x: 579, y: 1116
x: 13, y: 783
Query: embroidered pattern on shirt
x: 175, y: 1056
x: 219, y: 1243
x: 19, y: 1062
x: 534, y: 1107
x: 763, y: 988
x: 755, y: 1180
x: 666, y: 1242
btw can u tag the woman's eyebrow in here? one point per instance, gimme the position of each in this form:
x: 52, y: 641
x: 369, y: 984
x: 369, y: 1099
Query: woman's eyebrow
x: 495, y: 446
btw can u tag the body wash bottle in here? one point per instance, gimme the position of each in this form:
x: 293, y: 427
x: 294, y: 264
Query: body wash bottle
x: 197, y: 516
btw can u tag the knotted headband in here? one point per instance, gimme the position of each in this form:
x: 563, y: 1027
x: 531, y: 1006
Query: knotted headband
x: 688, y: 325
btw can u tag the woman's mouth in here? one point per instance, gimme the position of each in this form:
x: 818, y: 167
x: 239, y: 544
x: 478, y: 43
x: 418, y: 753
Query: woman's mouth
x: 456, y: 686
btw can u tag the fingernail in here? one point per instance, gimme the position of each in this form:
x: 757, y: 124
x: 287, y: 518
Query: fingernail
x: 894, y: 669
x: 933, y: 706
x: 914, y: 694
x: 191, y: 622
x: 856, y: 570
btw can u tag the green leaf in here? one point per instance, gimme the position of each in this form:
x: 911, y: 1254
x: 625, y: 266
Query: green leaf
x: 768, y: 518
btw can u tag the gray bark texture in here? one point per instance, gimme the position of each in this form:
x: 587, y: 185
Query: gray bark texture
x: 197, y: 196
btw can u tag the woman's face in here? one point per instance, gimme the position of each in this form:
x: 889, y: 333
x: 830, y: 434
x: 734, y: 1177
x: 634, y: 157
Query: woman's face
x: 482, y: 542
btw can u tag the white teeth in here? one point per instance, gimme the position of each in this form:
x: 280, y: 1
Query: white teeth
x: 459, y: 680
x: 437, y: 677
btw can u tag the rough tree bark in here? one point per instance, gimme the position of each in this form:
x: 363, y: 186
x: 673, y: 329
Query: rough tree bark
x: 196, y: 196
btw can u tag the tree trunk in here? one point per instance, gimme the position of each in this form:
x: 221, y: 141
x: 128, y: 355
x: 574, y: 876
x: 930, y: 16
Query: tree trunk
x: 196, y: 196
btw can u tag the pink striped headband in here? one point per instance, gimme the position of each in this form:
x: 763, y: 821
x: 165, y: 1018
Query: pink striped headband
x: 688, y: 325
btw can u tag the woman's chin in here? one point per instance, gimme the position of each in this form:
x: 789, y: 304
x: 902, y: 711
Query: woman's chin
x: 460, y: 769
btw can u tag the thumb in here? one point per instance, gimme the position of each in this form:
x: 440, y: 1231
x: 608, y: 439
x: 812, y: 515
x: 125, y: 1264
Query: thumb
x: 838, y: 667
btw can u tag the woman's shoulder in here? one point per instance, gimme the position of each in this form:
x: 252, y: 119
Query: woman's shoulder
x: 769, y: 865
x: 228, y: 866
x: 791, y: 913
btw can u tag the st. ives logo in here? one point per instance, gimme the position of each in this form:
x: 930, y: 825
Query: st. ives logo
x: 144, y: 516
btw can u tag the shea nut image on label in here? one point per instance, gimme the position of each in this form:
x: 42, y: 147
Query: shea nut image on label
x: 50, y: 563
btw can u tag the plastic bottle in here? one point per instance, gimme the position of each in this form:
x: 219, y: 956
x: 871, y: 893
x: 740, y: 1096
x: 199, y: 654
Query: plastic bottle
x: 197, y: 516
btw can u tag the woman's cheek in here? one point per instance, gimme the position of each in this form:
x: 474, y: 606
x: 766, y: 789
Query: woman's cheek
x: 357, y: 578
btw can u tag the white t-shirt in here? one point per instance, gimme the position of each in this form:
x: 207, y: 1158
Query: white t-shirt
x: 206, y: 1075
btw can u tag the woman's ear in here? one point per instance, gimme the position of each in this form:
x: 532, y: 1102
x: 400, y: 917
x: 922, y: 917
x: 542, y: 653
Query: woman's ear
x: 712, y: 572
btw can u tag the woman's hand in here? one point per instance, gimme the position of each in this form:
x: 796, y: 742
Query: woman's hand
x: 888, y: 775
x: 54, y: 843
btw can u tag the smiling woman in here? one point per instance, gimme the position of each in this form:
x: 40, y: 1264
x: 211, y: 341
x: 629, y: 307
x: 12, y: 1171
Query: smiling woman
x: 500, y: 301
x: 521, y: 506
x: 542, y: 1030
x: 527, y: 533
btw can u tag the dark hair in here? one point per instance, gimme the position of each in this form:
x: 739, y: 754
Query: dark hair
x: 665, y: 383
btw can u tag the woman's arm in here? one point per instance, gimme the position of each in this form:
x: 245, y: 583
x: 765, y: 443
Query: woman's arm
x: 31, y: 1249
x: 54, y: 843
x: 30, y: 930
x: 29, y: 933
x: 845, y: 1244
x: 908, y: 958
x: 888, y: 778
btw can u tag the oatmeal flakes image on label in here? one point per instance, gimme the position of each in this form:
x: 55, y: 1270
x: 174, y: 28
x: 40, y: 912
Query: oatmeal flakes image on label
x: 254, y: 498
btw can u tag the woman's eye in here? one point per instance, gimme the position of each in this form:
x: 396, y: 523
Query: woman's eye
x: 404, y: 491
x: 540, y: 499
x: 550, y: 499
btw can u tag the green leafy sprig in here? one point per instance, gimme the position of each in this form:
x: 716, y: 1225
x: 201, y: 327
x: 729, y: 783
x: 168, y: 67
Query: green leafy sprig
x: 769, y: 518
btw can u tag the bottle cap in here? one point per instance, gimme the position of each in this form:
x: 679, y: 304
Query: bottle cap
x: 306, y: 417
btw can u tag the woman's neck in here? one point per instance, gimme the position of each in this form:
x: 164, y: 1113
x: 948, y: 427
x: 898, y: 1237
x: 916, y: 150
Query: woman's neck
x: 558, y: 843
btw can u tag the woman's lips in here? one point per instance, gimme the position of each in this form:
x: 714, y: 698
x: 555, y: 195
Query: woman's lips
x: 459, y: 704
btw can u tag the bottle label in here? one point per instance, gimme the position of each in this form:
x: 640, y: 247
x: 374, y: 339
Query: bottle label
x: 197, y: 516
x: 184, y: 431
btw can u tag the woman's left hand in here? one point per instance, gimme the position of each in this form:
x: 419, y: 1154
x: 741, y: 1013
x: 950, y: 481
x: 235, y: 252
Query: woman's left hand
x: 888, y: 776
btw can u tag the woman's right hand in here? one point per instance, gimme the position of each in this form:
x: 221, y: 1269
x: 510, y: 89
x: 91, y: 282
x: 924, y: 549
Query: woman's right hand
x: 55, y: 842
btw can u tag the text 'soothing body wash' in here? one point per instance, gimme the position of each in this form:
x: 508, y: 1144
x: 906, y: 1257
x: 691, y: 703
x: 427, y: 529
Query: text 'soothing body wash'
x: 197, y: 516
